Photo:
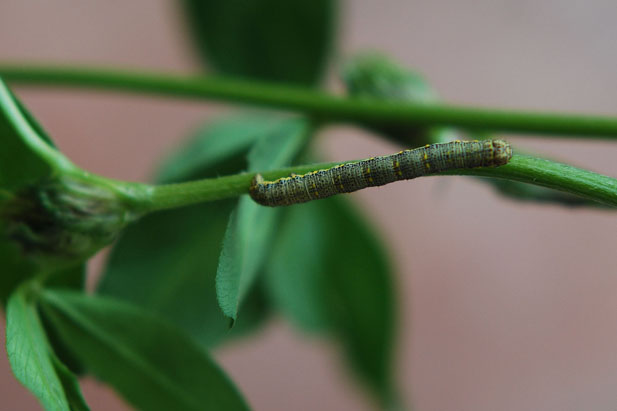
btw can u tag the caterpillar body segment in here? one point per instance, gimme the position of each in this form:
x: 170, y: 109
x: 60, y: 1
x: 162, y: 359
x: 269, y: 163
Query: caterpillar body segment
x: 378, y: 171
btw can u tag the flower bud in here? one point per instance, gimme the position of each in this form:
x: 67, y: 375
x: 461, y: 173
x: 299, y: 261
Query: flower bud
x: 65, y: 218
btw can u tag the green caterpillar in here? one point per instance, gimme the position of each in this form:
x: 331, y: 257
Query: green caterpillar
x: 377, y: 171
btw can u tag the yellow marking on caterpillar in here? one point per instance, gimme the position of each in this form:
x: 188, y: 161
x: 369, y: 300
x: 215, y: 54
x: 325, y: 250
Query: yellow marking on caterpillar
x: 425, y: 156
x: 397, y: 168
x: 340, y: 183
x: 368, y: 173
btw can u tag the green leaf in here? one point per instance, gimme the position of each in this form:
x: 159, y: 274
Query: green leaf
x: 151, y: 363
x: 26, y: 155
x: 530, y: 193
x: 275, y: 40
x: 73, y: 278
x: 20, y: 165
x: 15, y: 268
x: 167, y: 262
x: 328, y: 274
x: 217, y: 147
x: 32, y: 361
x: 295, y: 279
x: 251, y: 227
x: 34, y: 124
x: 71, y: 386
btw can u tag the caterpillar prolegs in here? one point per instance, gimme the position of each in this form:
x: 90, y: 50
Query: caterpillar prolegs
x: 377, y: 171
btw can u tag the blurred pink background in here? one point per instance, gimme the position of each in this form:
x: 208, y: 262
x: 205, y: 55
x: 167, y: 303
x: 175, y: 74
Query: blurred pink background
x: 505, y: 306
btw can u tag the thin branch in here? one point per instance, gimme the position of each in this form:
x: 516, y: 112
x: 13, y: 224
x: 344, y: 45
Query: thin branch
x: 522, y: 168
x: 324, y: 106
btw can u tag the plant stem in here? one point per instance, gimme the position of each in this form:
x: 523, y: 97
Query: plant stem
x: 166, y: 196
x: 324, y: 106
x: 551, y: 174
x: 522, y: 168
x: 327, y: 107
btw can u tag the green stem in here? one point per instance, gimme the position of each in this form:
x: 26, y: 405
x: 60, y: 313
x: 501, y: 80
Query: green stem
x: 166, y: 196
x: 551, y: 174
x: 522, y: 168
x: 315, y: 103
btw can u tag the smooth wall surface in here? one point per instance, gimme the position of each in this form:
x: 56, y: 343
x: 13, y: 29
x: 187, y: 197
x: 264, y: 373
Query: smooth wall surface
x: 505, y: 306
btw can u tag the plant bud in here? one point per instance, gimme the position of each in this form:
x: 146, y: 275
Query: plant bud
x: 375, y: 76
x: 65, y: 218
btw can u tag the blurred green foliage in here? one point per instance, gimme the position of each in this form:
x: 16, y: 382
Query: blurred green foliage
x: 275, y: 40
x: 329, y: 275
x: 149, y: 361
